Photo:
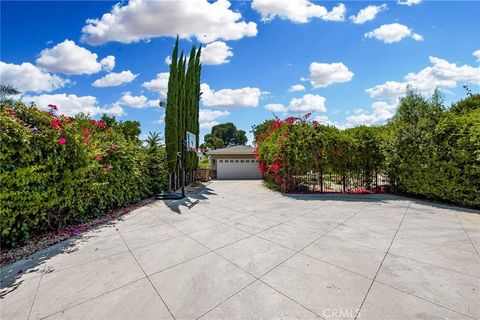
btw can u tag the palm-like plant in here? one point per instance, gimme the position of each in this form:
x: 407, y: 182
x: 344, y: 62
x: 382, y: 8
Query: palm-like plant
x: 153, y: 140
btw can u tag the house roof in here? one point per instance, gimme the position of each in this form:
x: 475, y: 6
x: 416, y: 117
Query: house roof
x: 232, y: 150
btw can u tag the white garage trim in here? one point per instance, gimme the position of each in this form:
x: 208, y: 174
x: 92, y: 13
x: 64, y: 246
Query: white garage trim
x: 238, y: 169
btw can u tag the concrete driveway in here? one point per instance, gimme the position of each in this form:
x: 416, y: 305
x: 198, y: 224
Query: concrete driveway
x: 245, y: 252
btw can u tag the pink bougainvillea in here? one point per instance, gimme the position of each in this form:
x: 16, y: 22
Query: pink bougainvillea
x: 62, y: 140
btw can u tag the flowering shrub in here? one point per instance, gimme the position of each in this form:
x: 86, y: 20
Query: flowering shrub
x: 425, y: 150
x: 291, y: 148
x: 57, y: 170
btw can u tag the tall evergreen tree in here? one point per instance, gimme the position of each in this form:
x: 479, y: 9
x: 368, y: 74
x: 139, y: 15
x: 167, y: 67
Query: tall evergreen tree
x: 171, y: 116
x: 182, y: 112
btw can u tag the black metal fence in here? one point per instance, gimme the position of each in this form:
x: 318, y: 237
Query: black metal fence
x: 325, y: 182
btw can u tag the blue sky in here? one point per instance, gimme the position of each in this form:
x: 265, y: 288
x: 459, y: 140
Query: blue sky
x: 349, y: 61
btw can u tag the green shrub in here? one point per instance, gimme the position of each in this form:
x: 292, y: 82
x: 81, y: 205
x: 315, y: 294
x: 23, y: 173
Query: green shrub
x: 435, y: 152
x: 425, y: 150
x: 204, y: 163
x: 57, y: 170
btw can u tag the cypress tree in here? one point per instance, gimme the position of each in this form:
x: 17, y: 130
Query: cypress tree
x: 182, y: 111
x: 189, y: 104
x: 196, y: 101
x: 171, y: 113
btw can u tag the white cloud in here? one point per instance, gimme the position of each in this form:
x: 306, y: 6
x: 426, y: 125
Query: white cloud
x: 298, y: 11
x: 325, y: 74
x: 168, y: 60
x: 389, y: 90
x: 441, y: 74
x: 141, y: 20
x: 72, y: 104
x: 307, y: 103
x: 336, y: 14
x: 161, y: 120
x: 115, y: 79
x: 381, y: 112
x: 394, y: 32
x: 408, y: 2
x: 206, y: 115
x: 367, y: 14
x: 137, y: 102
x: 67, y: 57
x: 216, y: 53
x: 108, y: 63
x: 296, y: 87
x: 276, y: 107
x: 208, y: 125
x: 230, y: 98
x: 322, y: 119
x: 476, y: 54
x: 27, y: 77
x: 159, y: 84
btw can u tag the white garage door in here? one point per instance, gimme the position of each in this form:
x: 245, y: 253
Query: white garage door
x: 238, y: 169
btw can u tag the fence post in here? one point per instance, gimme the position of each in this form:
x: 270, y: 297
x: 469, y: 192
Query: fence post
x: 321, y: 180
x: 344, y: 182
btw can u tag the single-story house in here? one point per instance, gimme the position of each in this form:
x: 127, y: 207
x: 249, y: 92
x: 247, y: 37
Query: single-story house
x: 236, y: 162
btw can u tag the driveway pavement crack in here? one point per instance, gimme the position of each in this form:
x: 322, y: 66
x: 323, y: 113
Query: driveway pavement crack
x: 381, y: 263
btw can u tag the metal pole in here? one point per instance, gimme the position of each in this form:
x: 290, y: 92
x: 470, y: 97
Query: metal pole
x: 183, y: 167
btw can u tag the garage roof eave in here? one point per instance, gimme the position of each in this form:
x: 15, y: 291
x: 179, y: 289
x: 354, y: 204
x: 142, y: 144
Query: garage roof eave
x: 232, y: 150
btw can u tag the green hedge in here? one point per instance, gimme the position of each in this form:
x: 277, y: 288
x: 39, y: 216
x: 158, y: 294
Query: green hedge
x: 425, y: 150
x: 434, y: 152
x: 57, y: 170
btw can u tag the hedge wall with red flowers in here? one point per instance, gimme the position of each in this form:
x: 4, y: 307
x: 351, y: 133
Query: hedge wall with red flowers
x: 294, y: 147
x: 425, y: 149
x: 56, y: 170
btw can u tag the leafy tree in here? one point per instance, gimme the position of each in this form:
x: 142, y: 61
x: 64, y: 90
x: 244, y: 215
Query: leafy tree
x: 223, y: 135
x: 410, y: 145
x: 212, y: 142
x: 259, y: 129
x: 131, y: 130
x: 240, y: 138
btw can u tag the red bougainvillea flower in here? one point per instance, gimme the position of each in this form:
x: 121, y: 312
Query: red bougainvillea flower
x: 262, y: 166
x: 57, y: 124
x: 107, y: 168
x: 276, y: 124
x: 10, y: 112
x: 275, y: 167
x: 278, y: 179
x: 315, y: 123
x: 99, y: 157
x: 62, y: 140
x: 53, y: 107
x: 101, y: 124
x: 93, y: 122
x: 291, y: 120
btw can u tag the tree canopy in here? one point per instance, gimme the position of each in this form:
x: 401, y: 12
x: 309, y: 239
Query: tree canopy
x: 223, y: 135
